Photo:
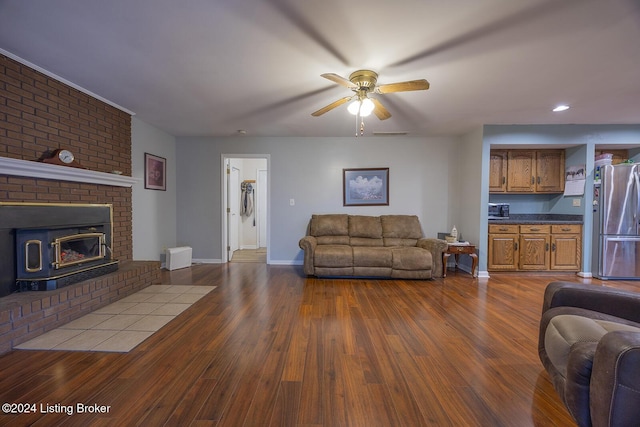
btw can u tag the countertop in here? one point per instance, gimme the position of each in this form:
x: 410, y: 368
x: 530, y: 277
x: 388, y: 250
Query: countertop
x: 539, y: 219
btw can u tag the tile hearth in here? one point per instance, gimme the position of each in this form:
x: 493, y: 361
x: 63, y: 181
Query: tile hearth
x: 122, y: 325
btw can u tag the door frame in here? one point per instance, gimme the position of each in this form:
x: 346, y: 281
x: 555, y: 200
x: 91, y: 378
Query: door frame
x: 233, y: 235
x: 261, y: 194
x: 224, y: 160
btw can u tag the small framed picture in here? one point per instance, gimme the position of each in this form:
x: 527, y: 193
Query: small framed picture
x: 365, y: 187
x: 155, y: 172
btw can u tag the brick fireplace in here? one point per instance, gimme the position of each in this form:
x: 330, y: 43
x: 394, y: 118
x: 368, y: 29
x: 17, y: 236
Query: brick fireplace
x: 39, y: 114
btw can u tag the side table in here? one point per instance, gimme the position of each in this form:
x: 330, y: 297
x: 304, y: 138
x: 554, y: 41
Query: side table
x: 457, y: 249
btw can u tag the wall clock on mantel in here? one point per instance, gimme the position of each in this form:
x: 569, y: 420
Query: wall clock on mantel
x: 63, y: 157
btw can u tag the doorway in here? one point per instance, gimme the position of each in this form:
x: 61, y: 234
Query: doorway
x: 245, y: 205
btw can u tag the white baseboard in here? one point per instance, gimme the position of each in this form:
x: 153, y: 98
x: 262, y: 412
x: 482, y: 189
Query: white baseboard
x: 285, y: 262
x: 483, y: 274
x: 206, y: 261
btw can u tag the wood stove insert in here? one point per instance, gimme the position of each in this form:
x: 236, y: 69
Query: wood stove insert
x: 49, y: 246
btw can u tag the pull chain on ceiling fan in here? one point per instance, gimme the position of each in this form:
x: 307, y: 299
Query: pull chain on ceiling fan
x: 363, y: 82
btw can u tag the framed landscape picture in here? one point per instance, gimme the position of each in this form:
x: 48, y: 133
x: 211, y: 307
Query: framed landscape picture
x: 155, y: 172
x: 365, y: 187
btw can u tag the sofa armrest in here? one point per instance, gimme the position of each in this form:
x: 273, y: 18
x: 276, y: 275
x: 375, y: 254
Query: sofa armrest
x: 308, y: 245
x: 614, y: 395
x: 615, y: 302
x: 436, y: 247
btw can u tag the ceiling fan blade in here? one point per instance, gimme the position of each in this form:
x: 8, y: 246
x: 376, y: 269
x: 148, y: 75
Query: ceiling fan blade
x: 339, y: 79
x: 403, y: 86
x: 331, y: 106
x: 379, y: 110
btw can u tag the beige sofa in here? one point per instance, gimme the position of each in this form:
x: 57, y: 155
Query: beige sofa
x: 374, y: 246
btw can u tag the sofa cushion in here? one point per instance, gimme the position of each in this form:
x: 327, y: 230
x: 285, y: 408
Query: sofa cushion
x: 333, y: 256
x: 410, y: 258
x: 371, y: 257
x: 365, y: 241
x: 365, y: 226
x: 566, y: 330
x: 400, y: 230
x: 333, y: 240
x: 329, y: 225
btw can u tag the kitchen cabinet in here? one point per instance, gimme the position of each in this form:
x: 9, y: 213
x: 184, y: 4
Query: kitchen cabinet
x: 550, y: 171
x: 526, y: 171
x: 498, y: 171
x: 534, y: 247
x: 503, y: 247
x: 521, y: 171
x: 566, y: 247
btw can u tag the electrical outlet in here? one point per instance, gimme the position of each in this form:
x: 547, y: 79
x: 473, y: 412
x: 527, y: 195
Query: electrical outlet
x: 292, y: 202
x: 576, y: 202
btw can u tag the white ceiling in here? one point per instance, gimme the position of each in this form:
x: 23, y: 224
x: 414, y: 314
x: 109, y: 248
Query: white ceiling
x: 213, y: 67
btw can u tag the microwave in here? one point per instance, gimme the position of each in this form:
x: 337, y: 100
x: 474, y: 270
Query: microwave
x: 498, y: 211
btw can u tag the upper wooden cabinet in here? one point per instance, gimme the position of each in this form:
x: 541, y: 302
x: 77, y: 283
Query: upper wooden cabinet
x: 550, y: 171
x: 521, y: 171
x: 498, y: 171
x: 526, y: 171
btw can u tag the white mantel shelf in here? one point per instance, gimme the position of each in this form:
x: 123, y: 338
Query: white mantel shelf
x: 31, y: 169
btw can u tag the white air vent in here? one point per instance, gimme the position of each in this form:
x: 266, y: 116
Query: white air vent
x: 396, y: 133
x: 178, y: 258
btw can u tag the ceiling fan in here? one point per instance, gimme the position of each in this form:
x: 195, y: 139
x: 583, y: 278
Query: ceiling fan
x: 363, y: 82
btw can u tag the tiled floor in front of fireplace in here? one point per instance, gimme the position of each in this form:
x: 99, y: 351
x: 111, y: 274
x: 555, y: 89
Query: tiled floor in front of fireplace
x: 122, y: 325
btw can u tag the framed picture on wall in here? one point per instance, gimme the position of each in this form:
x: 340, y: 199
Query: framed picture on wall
x: 365, y: 187
x: 155, y: 172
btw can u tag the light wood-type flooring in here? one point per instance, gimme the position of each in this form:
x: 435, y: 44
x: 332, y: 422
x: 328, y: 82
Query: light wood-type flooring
x: 271, y: 347
x: 250, y: 255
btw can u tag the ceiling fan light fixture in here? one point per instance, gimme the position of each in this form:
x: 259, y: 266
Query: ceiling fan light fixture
x: 363, y: 107
x: 362, y: 83
x: 367, y: 107
x: 354, y: 107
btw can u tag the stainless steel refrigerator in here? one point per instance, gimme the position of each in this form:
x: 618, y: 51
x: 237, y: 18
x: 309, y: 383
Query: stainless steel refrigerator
x: 616, y: 223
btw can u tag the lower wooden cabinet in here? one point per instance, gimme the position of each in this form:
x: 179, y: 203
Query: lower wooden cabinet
x: 534, y: 247
x: 566, y: 247
x: 539, y: 247
x: 503, y: 248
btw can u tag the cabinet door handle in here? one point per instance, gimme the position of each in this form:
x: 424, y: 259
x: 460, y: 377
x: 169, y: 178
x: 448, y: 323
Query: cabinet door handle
x: 553, y: 247
x: 535, y: 229
x: 533, y: 179
x: 538, y: 180
x: 515, y: 246
x: 566, y: 229
x: 546, y: 247
x: 504, y: 179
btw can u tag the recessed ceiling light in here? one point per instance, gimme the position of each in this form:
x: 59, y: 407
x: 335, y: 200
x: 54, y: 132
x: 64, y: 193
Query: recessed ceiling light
x: 562, y: 107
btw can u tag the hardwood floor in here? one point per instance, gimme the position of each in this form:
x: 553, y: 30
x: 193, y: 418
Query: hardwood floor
x: 250, y: 255
x: 270, y: 347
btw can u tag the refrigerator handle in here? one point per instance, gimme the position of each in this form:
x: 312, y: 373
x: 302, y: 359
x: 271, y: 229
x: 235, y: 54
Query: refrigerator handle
x: 635, y: 213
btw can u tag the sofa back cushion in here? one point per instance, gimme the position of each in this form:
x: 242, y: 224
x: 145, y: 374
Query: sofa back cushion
x: 400, y: 230
x: 330, y: 229
x: 365, y: 230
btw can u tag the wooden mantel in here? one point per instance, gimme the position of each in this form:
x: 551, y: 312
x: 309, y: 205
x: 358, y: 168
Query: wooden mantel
x: 26, y: 168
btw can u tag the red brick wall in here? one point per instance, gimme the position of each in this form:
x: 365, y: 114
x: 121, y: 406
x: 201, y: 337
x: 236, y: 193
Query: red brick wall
x: 39, y: 114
